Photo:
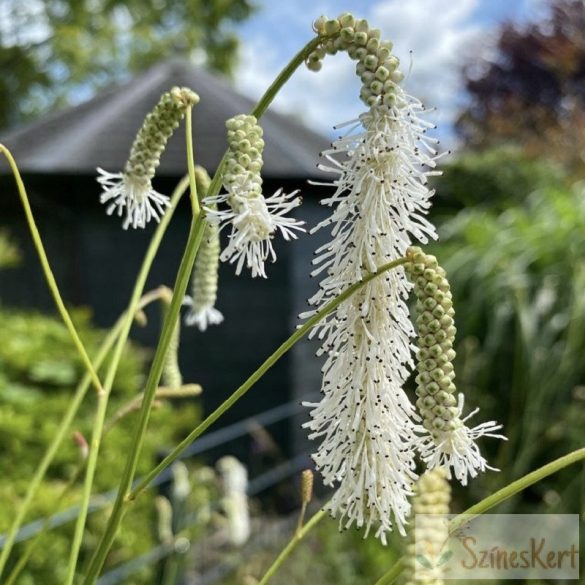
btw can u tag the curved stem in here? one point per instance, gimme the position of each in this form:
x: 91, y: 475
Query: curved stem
x: 290, y: 547
x: 49, y: 277
x: 496, y: 498
x: 265, y: 101
x: 64, y: 428
x: 516, y: 487
x: 268, y: 363
x: 196, y: 232
x: 191, y: 163
x: 103, y: 398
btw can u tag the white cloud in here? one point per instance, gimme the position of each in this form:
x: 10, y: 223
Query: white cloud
x: 440, y: 35
x: 437, y: 32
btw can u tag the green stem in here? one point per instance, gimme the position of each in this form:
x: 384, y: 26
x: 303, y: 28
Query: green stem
x: 290, y: 547
x: 265, y: 101
x: 49, y: 277
x: 516, y: 487
x: 268, y: 363
x: 196, y: 232
x: 195, y: 236
x: 64, y: 428
x: 393, y: 574
x: 103, y: 398
x: 496, y: 498
x: 191, y: 162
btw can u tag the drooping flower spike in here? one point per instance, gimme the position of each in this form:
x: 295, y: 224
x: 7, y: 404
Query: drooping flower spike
x: 252, y: 219
x: 171, y: 374
x: 204, y: 280
x: 448, y: 442
x: 365, y: 422
x: 130, y: 193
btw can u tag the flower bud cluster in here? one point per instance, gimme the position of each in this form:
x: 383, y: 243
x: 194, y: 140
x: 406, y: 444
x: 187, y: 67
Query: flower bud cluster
x: 130, y: 193
x: 156, y: 130
x: 432, y: 499
x: 253, y: 220
x: 436, y: 334
x: 234, y: 483
x: 245, y: 146
x: 376, y: 66
x: 171, y: 374
x: 447, y: 442
x: 205, y: 277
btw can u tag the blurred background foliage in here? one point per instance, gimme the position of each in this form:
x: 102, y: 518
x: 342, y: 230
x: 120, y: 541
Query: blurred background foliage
x: 55, y: 49
x: 532, y: 93
x: 39, y: 370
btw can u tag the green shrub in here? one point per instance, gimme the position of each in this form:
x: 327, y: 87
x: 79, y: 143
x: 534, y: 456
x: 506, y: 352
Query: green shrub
x: 493, y: 179
x: 39, y: 369
x: 518, y: 278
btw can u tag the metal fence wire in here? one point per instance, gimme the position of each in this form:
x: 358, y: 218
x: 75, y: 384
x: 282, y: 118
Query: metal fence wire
x: 210, y: 441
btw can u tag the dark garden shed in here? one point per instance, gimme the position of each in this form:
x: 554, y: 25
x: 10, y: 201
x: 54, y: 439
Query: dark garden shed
x: 96, y: 262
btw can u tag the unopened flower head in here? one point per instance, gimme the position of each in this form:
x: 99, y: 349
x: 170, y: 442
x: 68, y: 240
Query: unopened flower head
x: 204, y: 281
x: 448, y: 442
x: 171, y: 374
x: 365, y: 421
x: 429, y: 534
x: 234, y: 482
x: 377, y: 67
x: 253, y: 220
x: 130, y: 193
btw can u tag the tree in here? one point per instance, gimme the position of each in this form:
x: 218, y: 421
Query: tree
x: 533, y: 92
x: 54, y: 50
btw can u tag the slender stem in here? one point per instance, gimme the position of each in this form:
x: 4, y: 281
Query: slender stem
x: 284, y: 76
x: 103, y: 399
x: 516, y: 487
x: 301, y: 519
x: 195, y: 236
x: 49, y: 277
x: 196, y: 232
x: 265, y: 101
x: 185, y: 391
x: 191, y: 162
x: 64, y: 427
x: 496, y: 498
x: 290, y: 547
x: 62, y: 431
x: 393, y: 574
x: 268, y: 363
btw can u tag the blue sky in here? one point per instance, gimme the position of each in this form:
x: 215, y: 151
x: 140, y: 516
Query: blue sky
x: 440, y: 33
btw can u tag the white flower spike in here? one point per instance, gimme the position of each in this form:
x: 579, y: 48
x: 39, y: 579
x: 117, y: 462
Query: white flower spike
x: 365, y: 421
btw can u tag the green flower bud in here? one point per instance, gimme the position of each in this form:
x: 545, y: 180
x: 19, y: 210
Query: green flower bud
x: 347, y: 34
x: 346, y: 19
x: 332, y: 27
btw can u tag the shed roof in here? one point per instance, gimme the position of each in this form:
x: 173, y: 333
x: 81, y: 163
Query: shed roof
x: 100, y: 132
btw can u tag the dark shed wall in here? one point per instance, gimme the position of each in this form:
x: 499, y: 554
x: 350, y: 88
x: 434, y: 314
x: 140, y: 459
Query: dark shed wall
x: 96, y: 262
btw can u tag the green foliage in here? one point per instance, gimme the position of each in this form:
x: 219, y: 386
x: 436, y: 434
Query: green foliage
x: 39, y: 369
x: 88, y: 46
x: 9, y: 253
x: 493, y: 179
x: 518, y: 278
